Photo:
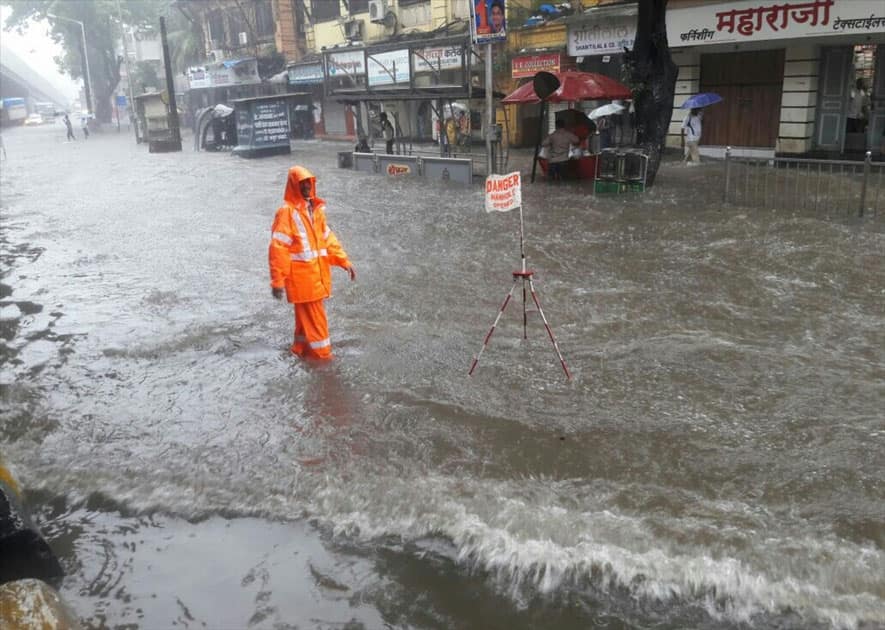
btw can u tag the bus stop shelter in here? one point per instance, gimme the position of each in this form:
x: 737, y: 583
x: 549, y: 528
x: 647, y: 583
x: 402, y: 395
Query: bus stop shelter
x: 264, y: 123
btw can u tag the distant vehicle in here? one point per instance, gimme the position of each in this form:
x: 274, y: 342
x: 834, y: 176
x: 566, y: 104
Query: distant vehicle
x: 13, y: 111
x: 34, y: 119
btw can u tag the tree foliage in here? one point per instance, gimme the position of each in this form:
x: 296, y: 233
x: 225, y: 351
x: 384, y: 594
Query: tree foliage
x: 101, y: 21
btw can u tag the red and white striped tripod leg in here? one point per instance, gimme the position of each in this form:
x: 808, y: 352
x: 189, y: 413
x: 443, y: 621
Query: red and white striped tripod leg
x: 485, y: 342
x: 549, y: 331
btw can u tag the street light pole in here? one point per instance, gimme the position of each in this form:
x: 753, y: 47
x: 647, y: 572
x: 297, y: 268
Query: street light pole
x: 129, y: 109
x: 89, y: 94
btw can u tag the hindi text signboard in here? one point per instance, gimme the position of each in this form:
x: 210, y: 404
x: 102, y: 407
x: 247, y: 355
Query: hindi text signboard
x: 752, y: 20
x: 604, y: 36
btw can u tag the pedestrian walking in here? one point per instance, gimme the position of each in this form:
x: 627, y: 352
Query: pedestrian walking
x: 302, y: 250
x: 387, y: 131
x: 691, y: 130
x: 2, y: 146
x: 84, y: 125
x: 69, y: 127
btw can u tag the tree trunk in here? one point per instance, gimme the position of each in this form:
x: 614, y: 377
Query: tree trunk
x: 653, y: 75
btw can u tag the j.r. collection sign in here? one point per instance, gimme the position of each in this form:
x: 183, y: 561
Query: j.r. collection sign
x: 754, y: 20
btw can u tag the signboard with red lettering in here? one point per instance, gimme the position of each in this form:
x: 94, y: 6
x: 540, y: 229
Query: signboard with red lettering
x: 755, y: 20
x: 398, y: 169
x: 529, y: 65
x: 503, y: 192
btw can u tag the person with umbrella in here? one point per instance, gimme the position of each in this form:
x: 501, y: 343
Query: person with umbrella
x: 691, y: 131
x: 691, y: 126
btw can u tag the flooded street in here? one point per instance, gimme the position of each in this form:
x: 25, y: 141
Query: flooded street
x: 715, y: 462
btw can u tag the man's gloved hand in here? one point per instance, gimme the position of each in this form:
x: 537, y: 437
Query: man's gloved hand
x: 277, y: 293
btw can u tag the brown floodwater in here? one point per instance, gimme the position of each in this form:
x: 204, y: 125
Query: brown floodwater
x: 715, y: 462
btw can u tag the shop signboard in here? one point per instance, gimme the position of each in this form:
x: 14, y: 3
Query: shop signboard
x: 436, y: 58
x: 488, y: 23
x: 198, y: 77
x: 755, y: 20
x: 305, y: 74
x: 530, y: 65
x: 603, y: 36
x: 270, y: 124
x: 350, y: 63
x: 262, y: 126
x: 388, y: 68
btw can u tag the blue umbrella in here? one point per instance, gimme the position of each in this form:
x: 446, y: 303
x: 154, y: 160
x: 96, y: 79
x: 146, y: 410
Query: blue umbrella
x: 701, y: 100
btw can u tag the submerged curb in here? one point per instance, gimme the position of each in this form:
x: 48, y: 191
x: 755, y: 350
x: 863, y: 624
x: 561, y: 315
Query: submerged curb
x: 29, y: 571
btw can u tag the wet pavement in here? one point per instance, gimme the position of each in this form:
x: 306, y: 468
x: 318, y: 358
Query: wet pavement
x: 716, y: 461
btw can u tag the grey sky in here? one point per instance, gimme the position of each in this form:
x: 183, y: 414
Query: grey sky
x: 37, y: 49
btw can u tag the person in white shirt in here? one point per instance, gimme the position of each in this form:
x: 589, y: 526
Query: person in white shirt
x: 691, y: 131
x: 858, y: 108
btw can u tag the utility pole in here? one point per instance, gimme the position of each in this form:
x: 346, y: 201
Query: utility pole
x: 88, y: 81
x: 130, y: 109
x: 175, y: 143
x: 490, y: 110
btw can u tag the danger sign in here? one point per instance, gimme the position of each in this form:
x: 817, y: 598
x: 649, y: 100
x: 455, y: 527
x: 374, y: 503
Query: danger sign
x: 503, y: 192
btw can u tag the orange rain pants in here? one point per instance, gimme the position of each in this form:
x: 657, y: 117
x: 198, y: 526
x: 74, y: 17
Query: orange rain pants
x: 311, y: 331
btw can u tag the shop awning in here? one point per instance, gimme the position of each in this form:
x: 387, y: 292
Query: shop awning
x: 574, y: 86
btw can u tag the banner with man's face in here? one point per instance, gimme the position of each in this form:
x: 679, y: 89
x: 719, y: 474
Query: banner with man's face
x: 489, y: 21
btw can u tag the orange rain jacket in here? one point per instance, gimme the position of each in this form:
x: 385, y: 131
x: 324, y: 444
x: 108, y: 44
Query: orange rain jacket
x: 302, y: 247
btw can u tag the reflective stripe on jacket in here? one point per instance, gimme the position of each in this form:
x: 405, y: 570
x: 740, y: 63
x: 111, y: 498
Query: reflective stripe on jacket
x: 302, y: 247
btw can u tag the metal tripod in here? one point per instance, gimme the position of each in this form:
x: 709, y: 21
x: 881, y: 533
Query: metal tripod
x: 526, y: 276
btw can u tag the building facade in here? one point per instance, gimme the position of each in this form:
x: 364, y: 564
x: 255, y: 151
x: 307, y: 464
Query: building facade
x: 800, y: 77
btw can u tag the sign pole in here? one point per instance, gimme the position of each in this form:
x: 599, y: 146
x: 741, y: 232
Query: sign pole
x: 504, y: 193
x: 490, y: 110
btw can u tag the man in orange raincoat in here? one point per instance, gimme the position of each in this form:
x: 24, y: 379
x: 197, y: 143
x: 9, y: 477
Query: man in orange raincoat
x: 302, y: 250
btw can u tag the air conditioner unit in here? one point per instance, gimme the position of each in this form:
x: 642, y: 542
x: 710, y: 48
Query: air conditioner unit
x: 216, y: 55
x: 353, y: 29
x: 243, y: 38
x: 377, y: 10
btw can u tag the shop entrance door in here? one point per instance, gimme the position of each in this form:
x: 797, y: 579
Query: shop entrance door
x: 834, y: 83
x: 750, y: 84
x: 877, y: 100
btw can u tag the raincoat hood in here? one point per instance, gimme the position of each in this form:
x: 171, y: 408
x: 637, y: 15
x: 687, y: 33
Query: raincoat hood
x: 293, y: 195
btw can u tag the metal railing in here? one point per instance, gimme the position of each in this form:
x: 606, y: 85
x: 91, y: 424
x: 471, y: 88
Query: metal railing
x: 825, y: 186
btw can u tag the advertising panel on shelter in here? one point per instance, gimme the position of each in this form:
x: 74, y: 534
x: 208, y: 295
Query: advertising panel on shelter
x: 489, y: 21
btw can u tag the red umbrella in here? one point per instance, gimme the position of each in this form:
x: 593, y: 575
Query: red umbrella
x: 574, y: 86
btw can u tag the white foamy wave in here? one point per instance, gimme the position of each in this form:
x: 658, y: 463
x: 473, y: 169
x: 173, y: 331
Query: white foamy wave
x: 535, y: 546
x: 536, y: 536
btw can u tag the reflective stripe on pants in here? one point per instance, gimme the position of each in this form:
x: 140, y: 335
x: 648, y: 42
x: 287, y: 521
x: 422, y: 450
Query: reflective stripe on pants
x: 311, y: 331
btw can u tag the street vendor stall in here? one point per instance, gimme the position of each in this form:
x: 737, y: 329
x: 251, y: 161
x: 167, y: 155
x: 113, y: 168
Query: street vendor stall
x: 570, y: 86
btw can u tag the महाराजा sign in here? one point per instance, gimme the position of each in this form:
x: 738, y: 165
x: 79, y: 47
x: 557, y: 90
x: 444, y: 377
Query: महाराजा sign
x: 503, y: 192
x: 752, y: 20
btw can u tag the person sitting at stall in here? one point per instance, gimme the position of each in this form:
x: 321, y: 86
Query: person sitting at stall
x: 362, y: 145
x: 558, y: 145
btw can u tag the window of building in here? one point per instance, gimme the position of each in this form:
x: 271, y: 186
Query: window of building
x: 324, y: 10
x: 237, y: 25
x: 216, y: 27
x: 264, y: 24
x: 404, y: 3
x: 358, y: 6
